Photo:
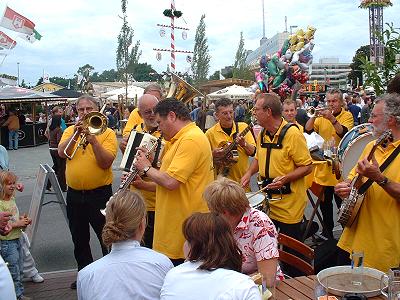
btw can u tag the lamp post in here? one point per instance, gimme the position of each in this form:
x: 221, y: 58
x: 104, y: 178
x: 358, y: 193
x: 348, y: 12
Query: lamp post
x: 291, y: 28
x: 18, y: 73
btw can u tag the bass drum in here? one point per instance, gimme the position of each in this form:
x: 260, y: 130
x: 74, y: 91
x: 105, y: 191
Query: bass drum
x: 352, y: 145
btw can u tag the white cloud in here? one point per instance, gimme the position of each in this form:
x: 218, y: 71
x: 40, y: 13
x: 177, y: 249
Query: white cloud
x: 77, y: 32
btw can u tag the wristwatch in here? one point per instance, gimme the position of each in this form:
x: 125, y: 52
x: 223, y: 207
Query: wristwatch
x: 146, y: 169
x: 383, y: 182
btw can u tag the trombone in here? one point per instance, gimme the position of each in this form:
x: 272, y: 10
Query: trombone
x: 96, y: 123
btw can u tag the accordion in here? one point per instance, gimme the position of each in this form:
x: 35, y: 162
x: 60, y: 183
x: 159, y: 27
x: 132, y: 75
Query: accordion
x: 140, y: 139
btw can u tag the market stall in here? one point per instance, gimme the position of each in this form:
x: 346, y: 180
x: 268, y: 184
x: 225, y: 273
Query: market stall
x: 29, y: 103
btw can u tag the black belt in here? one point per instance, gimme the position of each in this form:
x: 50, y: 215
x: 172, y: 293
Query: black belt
x: 96, y: 190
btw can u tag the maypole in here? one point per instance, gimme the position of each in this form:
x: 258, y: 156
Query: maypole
x: 173, y: 14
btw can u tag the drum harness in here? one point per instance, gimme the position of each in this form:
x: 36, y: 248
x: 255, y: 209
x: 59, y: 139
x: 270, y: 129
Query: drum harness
x: 285, y: 189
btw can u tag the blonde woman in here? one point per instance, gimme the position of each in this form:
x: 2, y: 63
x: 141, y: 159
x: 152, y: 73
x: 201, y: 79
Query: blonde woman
x: 129, y: 271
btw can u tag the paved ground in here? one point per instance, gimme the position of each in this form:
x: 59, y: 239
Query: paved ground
x: 53, y: 248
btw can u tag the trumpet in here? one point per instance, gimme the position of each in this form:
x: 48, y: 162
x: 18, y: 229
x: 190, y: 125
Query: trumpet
x: 313, y: 112
x: 96, y: 123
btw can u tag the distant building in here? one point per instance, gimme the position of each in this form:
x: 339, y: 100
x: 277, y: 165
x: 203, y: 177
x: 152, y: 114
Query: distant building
x: 48, y: 87
x: 267, y: 47
x: 331, y: 72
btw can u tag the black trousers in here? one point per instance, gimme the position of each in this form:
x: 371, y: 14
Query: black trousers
x: 83, y: 208
x: 149, y: 232
x: 59, y: 168
x: 327, y: 209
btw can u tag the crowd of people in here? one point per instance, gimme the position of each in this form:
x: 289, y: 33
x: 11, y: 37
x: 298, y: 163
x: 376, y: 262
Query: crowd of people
x: 186, y: 223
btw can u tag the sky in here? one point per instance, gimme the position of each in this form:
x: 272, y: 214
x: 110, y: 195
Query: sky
x: 79, y: 32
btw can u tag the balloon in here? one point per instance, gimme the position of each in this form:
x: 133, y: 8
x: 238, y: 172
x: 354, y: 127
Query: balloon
x: 280, y: 71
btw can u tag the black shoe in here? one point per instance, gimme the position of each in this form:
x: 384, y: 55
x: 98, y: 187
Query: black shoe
x: 73, y: 285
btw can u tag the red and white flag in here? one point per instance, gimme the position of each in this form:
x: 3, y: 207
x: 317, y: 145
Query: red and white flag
x: 16, y: 22
x: 6, y: 42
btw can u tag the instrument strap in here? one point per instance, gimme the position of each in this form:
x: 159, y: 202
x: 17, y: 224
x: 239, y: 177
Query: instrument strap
x: 385, y: 164
x: 271, y: 146
x: 235, y: 134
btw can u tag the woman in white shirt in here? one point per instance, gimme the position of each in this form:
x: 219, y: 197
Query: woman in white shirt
x: 129, y: 271
x: 214, y: 261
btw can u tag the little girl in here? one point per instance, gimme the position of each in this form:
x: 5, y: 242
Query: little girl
x: 10, y: 244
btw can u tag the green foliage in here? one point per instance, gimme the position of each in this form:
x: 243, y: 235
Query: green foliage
x: 355, y: 74
x: 84, y: 69
x: 240, y: 69
x: 379, y: 76
x: 23, y: 84
x: 105, y: 76
x: 201, y: 57
x: 215, y: 76
x: 141, y: 72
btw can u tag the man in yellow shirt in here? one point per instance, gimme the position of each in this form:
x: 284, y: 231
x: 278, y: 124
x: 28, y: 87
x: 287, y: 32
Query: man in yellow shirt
x: 89, y: 178
x: 331, y: 124
x: 282, y: 160
x: 135, y: 118
x: 376, y: 231
x: 289, y: 112
x: 226, y: 130
x: 186, y: 170
x: 147, y: 188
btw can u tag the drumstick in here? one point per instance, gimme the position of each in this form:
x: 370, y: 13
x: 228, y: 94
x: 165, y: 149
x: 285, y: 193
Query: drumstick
x: 263, y: 189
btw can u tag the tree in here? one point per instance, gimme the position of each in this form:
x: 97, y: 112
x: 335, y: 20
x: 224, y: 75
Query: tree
x: 126, y: 60
x: 355, y: 75
x: 142, y: 71
x: 240, y: 69
x: 23, y: 84
x: 215, y: 76
x: 201, y: 57
x: 378, y: 76
x: 86, y: 68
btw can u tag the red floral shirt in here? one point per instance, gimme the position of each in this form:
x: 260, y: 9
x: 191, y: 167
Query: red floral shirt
x: 256, y: 237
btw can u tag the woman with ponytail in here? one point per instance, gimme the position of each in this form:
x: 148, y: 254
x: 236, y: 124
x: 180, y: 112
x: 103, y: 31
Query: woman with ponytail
x: 129, y: 271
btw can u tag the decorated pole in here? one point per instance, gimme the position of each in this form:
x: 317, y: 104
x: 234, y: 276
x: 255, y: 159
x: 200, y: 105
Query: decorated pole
x: 173, y: 14
x: 172, y: 37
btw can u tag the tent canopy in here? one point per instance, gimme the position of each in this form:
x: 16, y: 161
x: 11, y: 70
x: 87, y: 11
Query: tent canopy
x: 19, y: 94
x: 133, y: 91
x: 233, y: 92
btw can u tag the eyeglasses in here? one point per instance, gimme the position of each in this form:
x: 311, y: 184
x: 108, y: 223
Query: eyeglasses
x: 148, y: 112
x: 83, y: 109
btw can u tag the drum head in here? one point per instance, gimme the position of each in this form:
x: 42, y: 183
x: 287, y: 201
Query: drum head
x: 353, y: 151
x: 255, y: 201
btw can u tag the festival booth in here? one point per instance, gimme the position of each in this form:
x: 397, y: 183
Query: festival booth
x: 234, y: 92
x: 32, y: 133
x: 134, y: 92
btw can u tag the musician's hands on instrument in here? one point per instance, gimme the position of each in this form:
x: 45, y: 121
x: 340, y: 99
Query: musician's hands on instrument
x: 369, y: 169
x: 277, y: 183
x: 90, y: 138
x: 218, y: 153
x: 327, y: 114
x: 138, y: 183
x: 141, y: 160
x: 241, y: 141
x: 245, y: 180
x: 343, y: 189
x: 123, y: 144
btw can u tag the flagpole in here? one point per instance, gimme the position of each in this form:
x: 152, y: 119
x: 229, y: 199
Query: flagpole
x: 9, y: 48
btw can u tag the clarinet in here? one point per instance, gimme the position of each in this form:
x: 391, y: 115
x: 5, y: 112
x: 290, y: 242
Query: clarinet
x: 131, y: 175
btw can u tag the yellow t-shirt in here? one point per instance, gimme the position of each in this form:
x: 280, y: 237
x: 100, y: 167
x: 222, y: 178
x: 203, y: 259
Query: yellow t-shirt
x: 293, y: 154
x: 134, y: 120
x: 323, y: 172
x: 377, y: 228
x: 11, y: 206
x: 188, y: 159
x: 83, y: 172
x: 149, y: 197
x: 216, y: 135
